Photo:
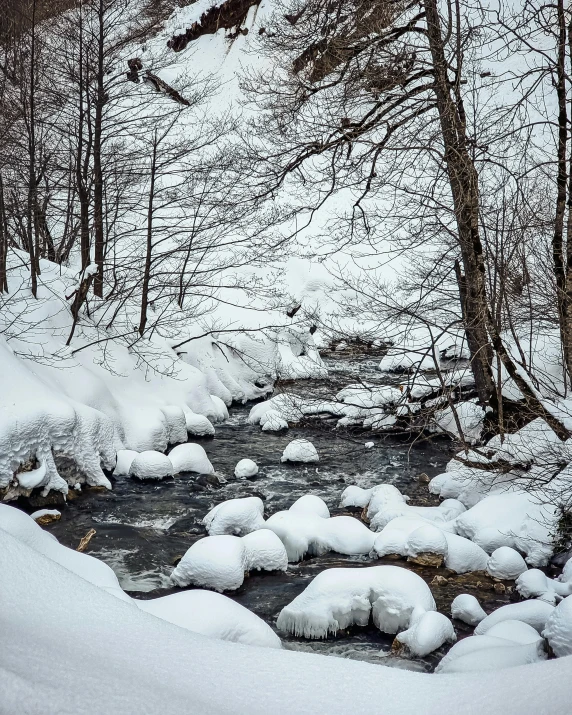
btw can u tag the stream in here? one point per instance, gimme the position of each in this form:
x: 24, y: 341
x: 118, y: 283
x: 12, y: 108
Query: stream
x: 143, y: 528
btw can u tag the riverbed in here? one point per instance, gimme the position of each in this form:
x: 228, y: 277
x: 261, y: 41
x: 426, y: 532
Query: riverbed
x: 143, y: 528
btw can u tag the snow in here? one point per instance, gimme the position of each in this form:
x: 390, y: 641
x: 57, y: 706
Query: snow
x: 506, y: 563
x: 300, y: 450
x: 427, y: 540
x: 235, y: 516
x: 311, y: 504
x: 427, y: 633
x: 535, y: 584
x: 511, y: 519
x: 466, y: 608
x: 117, y: 658
x: 125, y: 459
x: 305, y: 533
x: 220, y: 562
x: 481, y: 653
x: 535, y: 613
x: 245, y: 468
x: 341, y: 597
x: 516, y: 631
x: 199, y: 425
x: 558, y: 630
x: 190, y: 458
x: 151, y: 465
x: 214, y: 615
x: 470, y: 416
x: 369, y: 445
x: 446, y: 511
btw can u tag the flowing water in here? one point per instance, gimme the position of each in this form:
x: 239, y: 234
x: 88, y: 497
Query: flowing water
x: 143, y: 528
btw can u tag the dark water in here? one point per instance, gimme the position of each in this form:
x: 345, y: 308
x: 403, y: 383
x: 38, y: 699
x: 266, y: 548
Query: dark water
x: 143, y: 528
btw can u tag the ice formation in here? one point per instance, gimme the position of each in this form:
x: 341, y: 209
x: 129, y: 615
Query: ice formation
x: 427, y: 633
x: 300, y: 450
x: 151, y: 465
x: 235, y: 516
x: 558, y: 630
x: 213, y: 615
x: 245, y: 468
x: 190, y: 457
x: 466, y: 608
x: 506, y: 563
x: 535, y: 613
x: 220, y: 562
x: 338, y: 598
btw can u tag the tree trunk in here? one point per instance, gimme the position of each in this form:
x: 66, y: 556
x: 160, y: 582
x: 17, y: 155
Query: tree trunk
x: 3, y: 242
x: 149, y: 248
x: 463, y: 180
x: 97, y: 170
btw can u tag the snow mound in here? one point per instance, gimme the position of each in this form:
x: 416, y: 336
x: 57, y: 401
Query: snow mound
x: 481, y: 653
x: 125, y: 459
x: 535, y: 584
x: 427, y: 540
x: 535, y: 613
x: 264, y: 551
x: 220, y: 562
x: 304, y: 533
x: 300, y: 450
x: 311, y: 504
x: 151, y: 465
x: 471, y: 417
x: 376, y: 498
x: 515, y: 631
x: 190, y: 457
x: 513, y: 519
x: 235, y: 516
x: 245, y: 468
x: 558, y: 630
x: 446, y: 511
x: 338, y: 598
x: 466, y: 608
x: 428, y: 633
x: 213, y: 615
x: 198, y: 425
x: 506, y: 563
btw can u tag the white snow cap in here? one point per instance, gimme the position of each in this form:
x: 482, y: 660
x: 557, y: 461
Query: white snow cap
x: 235, y: 516
x: 506, y: 563
x: 466, y: 608
x: 558, y: 631
x: 213, y: 615
x: 151, y: 465
x: 311, y: 504
x: 338, y: 598
x: 245, y: 468
x: 481, y: 653
x: 198, y: 425
x: 535, y: 613
x: 190, y: 457
x: 369, y: 445
x: 300, y: 450
x: 427, y: 633
x: 45, y: 512
x: 536, y: 584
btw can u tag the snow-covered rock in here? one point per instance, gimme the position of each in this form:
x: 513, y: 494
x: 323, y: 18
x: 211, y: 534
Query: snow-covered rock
x: 427, y: 633
x: 213, y: 615
x: 300, y: 450
x: 220, y: 562
x: 511, y: 519
x: 382, y: 496
x: 535, y: 613
x: 515, y: 631
x: 558, y: 629
x: 311, y: 504
x: 235, y: 516
x: 427, y: 541
x: 125, y: 459
x: 536, y: 584
x: 305, y: 533
x: 151, y: 465
x: 264, y: 551
x: 342, y: 597
x: 198, y: 425
x: 482, y: 653
x: 466, y: 608
x: 506, y: 563
x: 245, y: 468
x: 45, y: 516
x: 446, y: 511
x: 190, y: 457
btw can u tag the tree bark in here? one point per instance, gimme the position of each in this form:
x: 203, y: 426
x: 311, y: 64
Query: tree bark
x: 99, y: 251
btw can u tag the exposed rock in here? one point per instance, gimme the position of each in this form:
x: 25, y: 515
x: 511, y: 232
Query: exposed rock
x: 427, y: 559
x: 439, y: 581
x: 423, y: 478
